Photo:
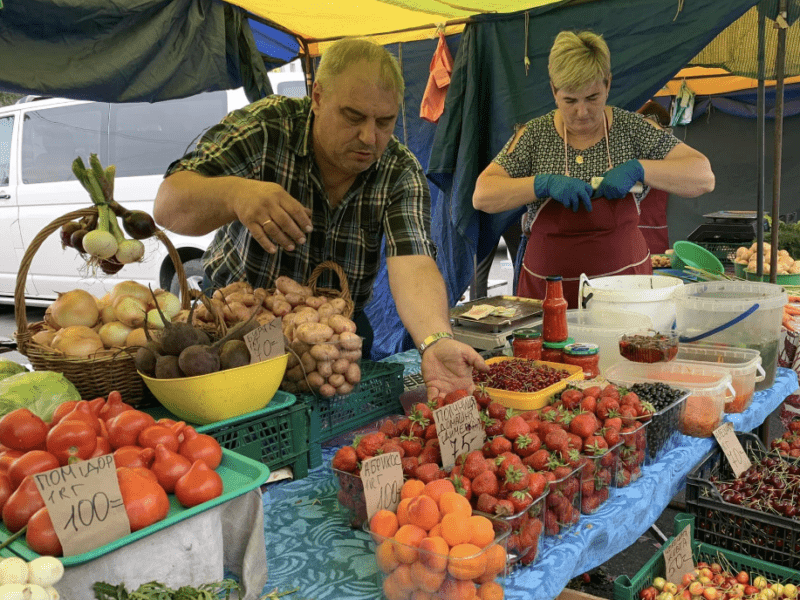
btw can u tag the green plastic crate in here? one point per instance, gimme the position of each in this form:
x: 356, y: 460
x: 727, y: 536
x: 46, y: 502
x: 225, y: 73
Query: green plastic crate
x: 626, y: 588
x: 277, y: 435
x: 378, y: 395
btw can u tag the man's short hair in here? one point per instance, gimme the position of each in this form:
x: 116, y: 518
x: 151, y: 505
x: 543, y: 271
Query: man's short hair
x: 578, y: 59
x: 347, y: 51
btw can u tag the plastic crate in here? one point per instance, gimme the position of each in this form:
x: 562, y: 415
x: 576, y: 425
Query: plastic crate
x: 626, y: 588
x: 378, y: 395
x: 721, y: 250
x: 276, y: 435
x: 765, y: 536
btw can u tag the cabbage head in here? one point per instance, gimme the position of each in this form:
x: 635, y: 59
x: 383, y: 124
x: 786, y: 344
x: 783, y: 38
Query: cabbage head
x: 39, y: 391
x: 9, y: 368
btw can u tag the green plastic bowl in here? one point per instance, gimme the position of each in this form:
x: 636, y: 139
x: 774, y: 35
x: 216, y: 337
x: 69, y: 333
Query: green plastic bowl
x: 692, y: 255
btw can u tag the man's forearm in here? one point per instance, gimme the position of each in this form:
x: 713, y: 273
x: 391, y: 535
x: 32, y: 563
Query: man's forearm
x: 192, y: 204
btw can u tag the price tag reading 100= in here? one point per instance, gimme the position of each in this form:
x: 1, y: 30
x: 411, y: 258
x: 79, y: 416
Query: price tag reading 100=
x: 382, y: 478
x: 85, y: 504
x: 459, y: 429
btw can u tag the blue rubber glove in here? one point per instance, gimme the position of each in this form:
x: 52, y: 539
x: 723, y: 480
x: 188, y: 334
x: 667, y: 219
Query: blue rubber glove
x: 617, y: 182
x: 567, y: 190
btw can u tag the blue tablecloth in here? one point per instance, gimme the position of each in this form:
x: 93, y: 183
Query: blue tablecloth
x: 310, y: 545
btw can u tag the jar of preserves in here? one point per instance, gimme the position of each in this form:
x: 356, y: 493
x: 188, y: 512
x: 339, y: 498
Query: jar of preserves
x: 553, y: 351
x: 527, y: 343
x: 554, y: 309
x: 586, y: 356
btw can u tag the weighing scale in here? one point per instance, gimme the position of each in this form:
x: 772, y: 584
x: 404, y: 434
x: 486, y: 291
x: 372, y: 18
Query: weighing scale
x: 493, y: 332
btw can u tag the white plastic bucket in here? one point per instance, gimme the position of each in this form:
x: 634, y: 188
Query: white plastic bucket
x: 650, y: 295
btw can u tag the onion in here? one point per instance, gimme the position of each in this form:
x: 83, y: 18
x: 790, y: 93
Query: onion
x: 169, y: 303
x: 130, y: 251
x: 101, y: 244
x: 49, y: 320
x: 154, y: 319
x: 44, y: 338
x: 114, y: 334
x: 77, y: 307
x: 78, y: 341
x: 131, y: 288
x: 13, y: 570
x: 45, y: 571
x: 137, y: 337
x: 107, y: 314
x: 130, y: 311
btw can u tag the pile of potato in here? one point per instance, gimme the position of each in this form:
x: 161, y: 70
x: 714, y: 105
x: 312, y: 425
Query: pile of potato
x: 748, y: 257
x: 324, y: 349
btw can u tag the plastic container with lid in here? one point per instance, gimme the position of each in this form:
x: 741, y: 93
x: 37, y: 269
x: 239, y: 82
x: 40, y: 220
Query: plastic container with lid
x: 586, y: 356
x: 743, y: 364
x: 737, y: 313
x: 710, y: 388
x: 554, y: 351
x: 527, y: 343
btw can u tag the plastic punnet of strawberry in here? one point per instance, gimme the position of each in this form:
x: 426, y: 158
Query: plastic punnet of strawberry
x: 598, y: 473
x: 631, y: 454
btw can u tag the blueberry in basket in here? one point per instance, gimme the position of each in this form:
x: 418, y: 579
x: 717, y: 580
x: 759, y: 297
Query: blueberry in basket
x: 649, y: 347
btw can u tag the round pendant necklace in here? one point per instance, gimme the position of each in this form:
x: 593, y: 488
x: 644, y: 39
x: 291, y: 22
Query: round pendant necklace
x: 579, y: 159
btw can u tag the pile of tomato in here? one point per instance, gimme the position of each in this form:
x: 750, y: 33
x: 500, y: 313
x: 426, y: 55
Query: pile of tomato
x: 153, y: 459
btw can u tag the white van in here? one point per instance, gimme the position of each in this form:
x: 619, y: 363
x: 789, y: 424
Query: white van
x: 39, y: 139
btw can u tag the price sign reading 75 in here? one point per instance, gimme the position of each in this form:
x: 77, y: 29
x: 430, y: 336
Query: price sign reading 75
x: 459, y: 429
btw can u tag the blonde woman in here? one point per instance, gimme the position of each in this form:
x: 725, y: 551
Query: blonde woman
x: 549, y: 164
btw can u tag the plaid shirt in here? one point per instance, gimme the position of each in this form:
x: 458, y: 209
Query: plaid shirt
x: 270, y: 140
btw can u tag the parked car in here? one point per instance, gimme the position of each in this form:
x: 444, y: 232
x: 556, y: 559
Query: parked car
x: 41, y: 137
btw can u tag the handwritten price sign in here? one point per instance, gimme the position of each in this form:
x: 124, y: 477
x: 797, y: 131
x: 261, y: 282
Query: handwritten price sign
x: 265, y: 342
x: 732, y: 448
x: 459, y: 429
x: 678, y: 556
x: 85, y: 504
x: 382, y: 477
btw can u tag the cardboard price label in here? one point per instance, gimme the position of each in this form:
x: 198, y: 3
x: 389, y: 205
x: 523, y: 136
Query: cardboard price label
x: 732, y: 448
x: 678, y: 556
x: 459, y: 429
x: 266, y: 341
x: 382, y: 477
x: 85, y: 504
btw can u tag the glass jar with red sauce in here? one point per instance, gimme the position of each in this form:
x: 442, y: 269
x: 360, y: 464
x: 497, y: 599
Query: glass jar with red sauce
x: 554, y: 309
x: 585, y: 356
x: 527, y: 343
x: 553, y: 351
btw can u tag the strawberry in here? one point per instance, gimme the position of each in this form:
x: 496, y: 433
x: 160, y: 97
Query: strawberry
x: 410, y: 464
x: 592, y: 391
x: 462, y: 484
x: 588, y: 404
x: 556, y: 440
x: 595, y: 445
x: 516, y: 478
x: 486, y: 483
x: 424, y: 411
x: 610, y: 391
x: 429, y: 472
x: 506, y: 460
x: 574, y: 442
x: 515, y: 426
x: 605, y: 406
x: 623, y: 477
x: 520, y: 499
x: 538, y: 460
x: 345, y: 459
x: 590, y: 504
x: 603, y: 478
x: 611, y: 435
x: 430, y: 454
x: 628, y: 415
x: 630, y: 398
x: 504, y: 508
x: 474, y: 464
x: 527, y: 444
x: 551, y: 526
x: 411, y: 445
x: 570, y: 398
x: 455, y: 396
x: 492, y: 427
x: 389, y: 428
x: 482, y: 397
x: 571, y: 457
x: 587, y: 488
x: 486, y: 503
x: 496, y: 411
x: 430, y: 432
x: 391, y: 446
x: 603, y: 493
x: 584, y: 424
x: 536, y: 485
x: 368, y: 445
x: 404, y: 426
x: 500, y: 445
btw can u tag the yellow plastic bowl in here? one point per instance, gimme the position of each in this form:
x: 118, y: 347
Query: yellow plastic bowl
x: 533, y: 400
x: 223, y: 395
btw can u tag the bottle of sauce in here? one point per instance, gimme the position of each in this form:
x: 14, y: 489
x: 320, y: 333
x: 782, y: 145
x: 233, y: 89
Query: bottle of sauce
x: 527, y: 343
x: 554, y: 307
x: 586, y: 356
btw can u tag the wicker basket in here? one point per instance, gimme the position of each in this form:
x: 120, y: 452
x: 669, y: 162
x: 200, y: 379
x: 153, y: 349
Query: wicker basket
x: 93, y: 377
x: 344, y: 294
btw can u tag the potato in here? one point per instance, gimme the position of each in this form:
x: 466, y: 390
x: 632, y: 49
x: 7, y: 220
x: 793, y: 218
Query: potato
x: 292, y: 361
x: 339, y: 305
x: 295, y: 299
x: 308, y: 362
x: 306, y: 290
x: 341, y: 324
x: 325, y: 369
x: 265, y: 317
x: 325, y: 311
x: 315, y: 380
x: 299, y: 346
x: 344, y: 389
x: 327, y: 390
x: 351, y: 355
x: 287, y: 285
x: 349, y: 341
x: 295, y: 373
x: 323, y: 352
x: 281, y: 308
x: 353, y: 373
x: 312, y: 333
x: 315, y: 301
x: 795, y: 268
x: 306, y: 315
x: 236, y: 286
x: 302, y: 386
x: 336, y: 379
x: 248, y: 299
x: 340, y: 365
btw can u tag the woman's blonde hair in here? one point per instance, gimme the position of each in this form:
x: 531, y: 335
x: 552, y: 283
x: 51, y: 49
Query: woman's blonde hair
x: 578, y: 59
x: 348, y: 51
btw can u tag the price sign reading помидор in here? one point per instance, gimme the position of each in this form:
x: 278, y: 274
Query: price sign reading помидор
x: 85, y: 504
x: 459, y: 429
x: 382, y: 477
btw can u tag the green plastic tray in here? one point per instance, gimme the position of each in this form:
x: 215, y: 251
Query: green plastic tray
x: 626, y: 588
x: 239, y: 475
x: 276, y: 435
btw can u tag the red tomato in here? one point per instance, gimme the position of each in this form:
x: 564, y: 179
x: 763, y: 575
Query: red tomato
x: 71, y: 440
x: 6, y: 489
x: 124, y: 429
x: 153, y: 435
x: 199, y: 446
x: 96, y: 406
x: 83, y: 412
x: 35, y: 461
x: 41, y: 535
x: 103, y: 447
x: 134, y: 456
x: 200, y: 484
x: 168, y: 467
x: 62, y: 410
x: 145, y: 501
x: 8, y: 457
x: 19, y: 507
x: 113, y: 406
x: 22, y: 430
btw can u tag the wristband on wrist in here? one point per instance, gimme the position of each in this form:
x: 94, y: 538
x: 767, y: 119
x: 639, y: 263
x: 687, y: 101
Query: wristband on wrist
x: 432, y: 339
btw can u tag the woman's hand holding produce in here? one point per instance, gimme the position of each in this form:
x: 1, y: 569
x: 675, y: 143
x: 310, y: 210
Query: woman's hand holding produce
x: 569, y: 191
x: 617, y: 182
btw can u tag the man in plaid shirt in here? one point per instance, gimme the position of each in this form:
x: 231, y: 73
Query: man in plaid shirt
x: 289, y: 183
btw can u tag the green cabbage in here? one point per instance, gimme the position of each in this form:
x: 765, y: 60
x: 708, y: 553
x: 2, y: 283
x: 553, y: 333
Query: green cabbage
x: 39, y: 391
x: 9, y: 368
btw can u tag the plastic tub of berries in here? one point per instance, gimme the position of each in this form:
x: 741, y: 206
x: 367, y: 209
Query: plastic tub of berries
x: 631, y: 453
x: 649, y: 346
x: 563, y: 502
x: 598, y: 473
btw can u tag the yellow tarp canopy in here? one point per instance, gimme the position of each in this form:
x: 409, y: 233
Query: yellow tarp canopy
x: 707, y: 82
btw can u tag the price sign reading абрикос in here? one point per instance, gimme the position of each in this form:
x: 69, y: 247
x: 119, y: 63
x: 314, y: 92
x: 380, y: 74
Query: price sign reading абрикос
x: 459, y: 429
x: 85, y: 504
x: 266, y: 341
x: 382, y: 477
x: 678, y: 556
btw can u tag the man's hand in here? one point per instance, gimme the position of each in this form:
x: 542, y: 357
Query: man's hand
x: 617, y: 182
x: 447, y: 366
x: 271, y: 215
x: 569, y: 191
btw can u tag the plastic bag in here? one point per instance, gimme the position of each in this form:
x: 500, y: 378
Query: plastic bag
x: 682, y: 106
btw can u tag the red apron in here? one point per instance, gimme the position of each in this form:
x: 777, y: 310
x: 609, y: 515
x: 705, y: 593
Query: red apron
x: 653, y: 221
x: 604, y: 242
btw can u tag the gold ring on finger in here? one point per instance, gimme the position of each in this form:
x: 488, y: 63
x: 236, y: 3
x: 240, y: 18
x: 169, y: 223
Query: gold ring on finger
x: 265, y: 223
